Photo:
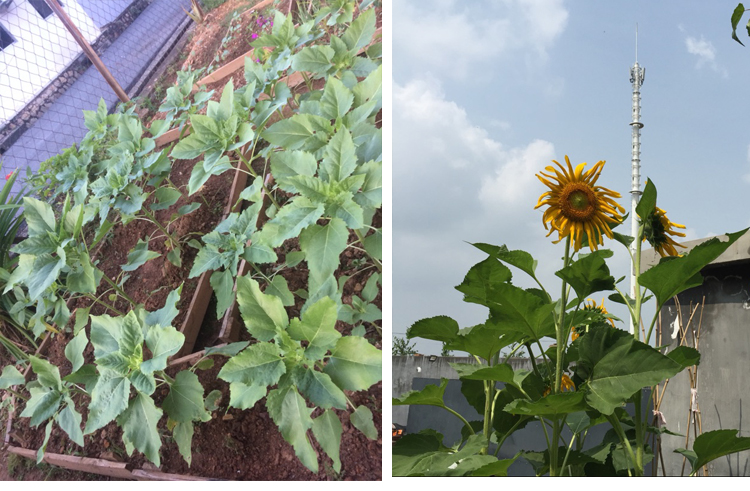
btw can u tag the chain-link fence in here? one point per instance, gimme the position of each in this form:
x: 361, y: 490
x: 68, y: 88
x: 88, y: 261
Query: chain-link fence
x: 46, y: 81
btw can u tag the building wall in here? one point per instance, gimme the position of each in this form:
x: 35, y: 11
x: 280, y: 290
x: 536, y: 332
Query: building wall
x: 723, y: 376
x: 42, y: 50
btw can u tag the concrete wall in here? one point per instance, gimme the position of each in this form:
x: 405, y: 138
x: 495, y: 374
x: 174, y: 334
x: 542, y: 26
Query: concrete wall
x: 408, y: 368
x: 723, y: 383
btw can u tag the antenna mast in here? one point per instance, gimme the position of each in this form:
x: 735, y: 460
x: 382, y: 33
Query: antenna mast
x: 637, y: 76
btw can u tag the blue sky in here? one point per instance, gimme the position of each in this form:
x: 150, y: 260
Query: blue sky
x: 486, y: 93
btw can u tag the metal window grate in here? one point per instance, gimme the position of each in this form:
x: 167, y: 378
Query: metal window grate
x: 47, y: 82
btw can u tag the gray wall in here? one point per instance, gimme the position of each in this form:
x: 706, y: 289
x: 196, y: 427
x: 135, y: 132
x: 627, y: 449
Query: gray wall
x: 723, y: 385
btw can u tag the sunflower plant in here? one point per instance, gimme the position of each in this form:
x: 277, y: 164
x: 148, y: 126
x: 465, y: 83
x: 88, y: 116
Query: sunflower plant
x: 591, y: 371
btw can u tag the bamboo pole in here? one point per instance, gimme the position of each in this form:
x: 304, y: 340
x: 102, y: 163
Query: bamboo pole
x: 87, y: 49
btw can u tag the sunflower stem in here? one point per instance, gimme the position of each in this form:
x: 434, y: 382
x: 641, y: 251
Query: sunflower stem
x: 561, y: 336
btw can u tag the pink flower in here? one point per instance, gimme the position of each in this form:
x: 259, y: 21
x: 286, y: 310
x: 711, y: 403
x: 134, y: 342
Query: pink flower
x: 254, y: 36
x: 9, y: 175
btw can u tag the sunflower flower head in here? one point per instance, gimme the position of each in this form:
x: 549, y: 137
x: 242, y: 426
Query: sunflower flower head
x: 566, y: 385
x: 577, y: 207
x: 657, y: 230
x: 600, y: 319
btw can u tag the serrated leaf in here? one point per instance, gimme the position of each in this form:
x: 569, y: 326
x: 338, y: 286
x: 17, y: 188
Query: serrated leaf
x: 165, y: 197
x: 259, y: 364
x: 589, y: 274
x: 327, y: 430
x: 183, y: 436
x: 319, y: 389
x: 109, y: 398
x: 222, y: 283
x: 139, y: 430
x: 318, y: 327
x: 184, y: 403
x: 264, y: 315
x: 322, y: 246
x: 42, y: 405
x: 361, y: 419
x: 244, y: 396
x: 163, y: 343
x: 11, y: 376
x: 47, y: 373
x: 227, y: 350
x: 290, y: 413
x: 74, y: 350
x: 139, y: 255
x: 70, y: 421
x: 354, y: 364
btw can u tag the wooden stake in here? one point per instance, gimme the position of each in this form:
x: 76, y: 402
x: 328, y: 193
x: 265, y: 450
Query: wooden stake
x: 87, y: 49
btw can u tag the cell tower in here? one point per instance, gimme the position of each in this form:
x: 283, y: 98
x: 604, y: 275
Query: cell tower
x: 637, y: 76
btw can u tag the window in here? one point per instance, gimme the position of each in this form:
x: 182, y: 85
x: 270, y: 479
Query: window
x: 6, y: 39
x: 41, y: 7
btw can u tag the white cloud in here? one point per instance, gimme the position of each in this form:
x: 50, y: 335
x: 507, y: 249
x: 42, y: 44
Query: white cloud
x: 706, y: 54
x: 512, y: 181
x: 460, y: 38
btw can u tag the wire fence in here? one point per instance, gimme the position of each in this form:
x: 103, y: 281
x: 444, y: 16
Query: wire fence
x: 46, y: 81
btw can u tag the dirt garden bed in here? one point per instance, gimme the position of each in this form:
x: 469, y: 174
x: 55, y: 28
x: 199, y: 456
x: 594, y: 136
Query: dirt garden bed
x: 234, y: 444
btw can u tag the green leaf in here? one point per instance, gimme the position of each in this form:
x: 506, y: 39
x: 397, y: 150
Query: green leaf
x: 520, y: 259
x: 674, y: 275
x: 714, y: 444
x: 291, y: 133
x: 163, y: 342
x: 183, y: 436
x: 223, y: 284
x: 628, y: 366
x: 522, y: 312
x: 11, y: 376
x: 495, y: 469
x: 184, y: 403
x: 82, y: 279
x: 74, y: 350
x: 685, y: 356
x: 589, y: 274
x: 431, y: 395
x: 43, y: 448
x: 315, y: 59
x: 478, y: 285
x: 109, y: 398
x: 165, y: 197
x: 227, y: 350
x: 164, y: 316
x: 317, y: 327
x: 551, y: 406
x: 739, y: 11
x: 354, y: 364
x: 327, y: 430
x: 70, y: 421
x: 39, y: 217
x: 42, y: 405
x: 138, y: 424
x: 279, y: 288
x: 46, y: 269
x: 321, y: 391
x: 361, y: 419
x: 360, y: 32
x: 47, y: 373
x: 335, y: 103
x: 290, y: 220
x: 244, y: 396
x: 501, y: 372
x: 322, y: 246
x: 647, y: 201
x: 264, y: 315
x: 259, y: 364
x: 440, y: 328
x: 484, y: 340
x: 290, y: 413
x: 139, y: 255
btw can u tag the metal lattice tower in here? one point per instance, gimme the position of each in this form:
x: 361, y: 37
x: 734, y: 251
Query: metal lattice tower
x: 637, y: 76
